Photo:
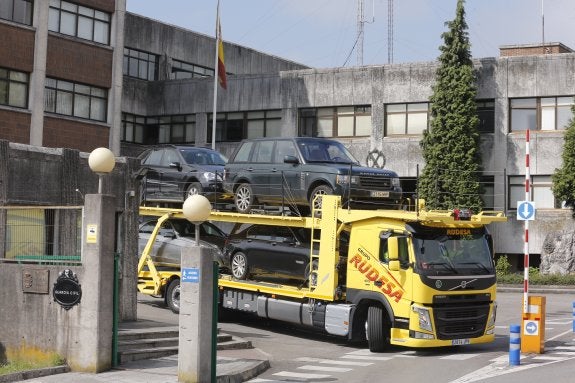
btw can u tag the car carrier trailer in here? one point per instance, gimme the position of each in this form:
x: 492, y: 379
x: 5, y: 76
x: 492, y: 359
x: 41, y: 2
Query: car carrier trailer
x: 412, y: 278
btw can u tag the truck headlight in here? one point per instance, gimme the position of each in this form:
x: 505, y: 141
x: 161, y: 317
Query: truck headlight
x: 345, y: 179
x: 492, y: 316
x: 423, y: 317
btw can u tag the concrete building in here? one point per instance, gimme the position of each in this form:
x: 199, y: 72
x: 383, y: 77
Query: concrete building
x: 166, y: 95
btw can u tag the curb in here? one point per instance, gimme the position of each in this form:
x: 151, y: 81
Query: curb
x: 245, y: 374
x: 548, y: 289
x: 33, y: 374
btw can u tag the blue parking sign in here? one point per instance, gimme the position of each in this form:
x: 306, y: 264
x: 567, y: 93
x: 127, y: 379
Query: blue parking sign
x: 191, y: 274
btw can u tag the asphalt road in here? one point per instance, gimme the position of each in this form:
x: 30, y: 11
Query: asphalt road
x: 302, y: 355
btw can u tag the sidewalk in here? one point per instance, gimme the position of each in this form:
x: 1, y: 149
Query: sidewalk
x: 233, y: 366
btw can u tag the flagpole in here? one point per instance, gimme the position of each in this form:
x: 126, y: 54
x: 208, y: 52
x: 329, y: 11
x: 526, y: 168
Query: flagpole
x: 214, y: 113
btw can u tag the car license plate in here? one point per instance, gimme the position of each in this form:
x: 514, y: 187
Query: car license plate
x: 459, y: 342
x: 379, y: 194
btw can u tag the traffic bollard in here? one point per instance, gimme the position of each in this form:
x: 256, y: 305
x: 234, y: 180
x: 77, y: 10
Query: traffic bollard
x: 514, y: 345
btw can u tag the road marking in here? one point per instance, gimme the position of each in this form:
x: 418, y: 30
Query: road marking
x: 562, y: 348
x: 459, y: 356
x: 331, y: 361
x: 367, y: 357
x: 301, y: 376
x: 325, y: 368
x: 556, y: 321
x: 549, y: 357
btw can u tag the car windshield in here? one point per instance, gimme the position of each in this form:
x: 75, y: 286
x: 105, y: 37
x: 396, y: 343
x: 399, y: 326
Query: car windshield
x: 203, y: 157
x: 325, y: 151
x: 453, y: 252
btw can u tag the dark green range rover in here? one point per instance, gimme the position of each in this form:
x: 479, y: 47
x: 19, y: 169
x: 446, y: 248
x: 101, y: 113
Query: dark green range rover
x: 293, y: 171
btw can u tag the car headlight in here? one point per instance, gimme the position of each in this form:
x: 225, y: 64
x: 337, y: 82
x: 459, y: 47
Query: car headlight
x: 345, y: 179
x: 395, y: 181
x: 208, y: 176
x: 423, y: 317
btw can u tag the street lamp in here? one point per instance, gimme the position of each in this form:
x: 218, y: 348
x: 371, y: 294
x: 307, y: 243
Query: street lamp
x: 197, y: 209
x: 101, y: 161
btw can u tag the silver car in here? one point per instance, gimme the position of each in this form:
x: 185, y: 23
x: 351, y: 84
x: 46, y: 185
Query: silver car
x: 176, y: 234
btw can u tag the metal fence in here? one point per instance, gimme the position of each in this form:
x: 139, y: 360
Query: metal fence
x: 41, y: 234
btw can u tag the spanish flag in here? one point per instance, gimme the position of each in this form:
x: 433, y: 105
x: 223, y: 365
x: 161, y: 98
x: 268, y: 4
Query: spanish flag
x: 221, y: 66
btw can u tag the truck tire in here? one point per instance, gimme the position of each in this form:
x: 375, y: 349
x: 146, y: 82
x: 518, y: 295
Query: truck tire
x: 377, y: 331
x: 239, y: 265
x: 320, y: 190
x: 193, y: 189
x: 173, y: 296
x: 244, y: 198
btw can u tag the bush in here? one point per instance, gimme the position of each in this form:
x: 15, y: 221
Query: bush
x: 505, y: 276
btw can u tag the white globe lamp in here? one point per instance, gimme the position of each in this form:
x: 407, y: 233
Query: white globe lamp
x: 101, y: 161
x: 197, y: 209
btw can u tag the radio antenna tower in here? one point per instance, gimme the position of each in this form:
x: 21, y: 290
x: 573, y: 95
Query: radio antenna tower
x: 360, y: 29
x: 389, y: 31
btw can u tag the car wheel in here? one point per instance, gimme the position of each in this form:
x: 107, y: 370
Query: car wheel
x: 321, y: 190
x: 173, y: 296
x: 239, y: 265
x: 377, y: 331
x: 244, y: 198
x: 193, y: 189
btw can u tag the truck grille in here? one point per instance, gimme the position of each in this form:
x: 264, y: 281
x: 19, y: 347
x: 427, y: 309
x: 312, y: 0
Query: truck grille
x: 375, y: 182
x: 460, y: 322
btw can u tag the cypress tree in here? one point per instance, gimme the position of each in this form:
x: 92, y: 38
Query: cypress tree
x: 451, y: 176
x: 564, y: 177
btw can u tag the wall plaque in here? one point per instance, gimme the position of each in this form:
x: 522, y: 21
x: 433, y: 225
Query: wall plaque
x: 67, y: 291
x: 35, y: 281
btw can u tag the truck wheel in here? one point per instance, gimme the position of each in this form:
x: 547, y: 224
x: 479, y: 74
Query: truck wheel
x: 239, y: 265
x: 173, y: 296
x: 193, y: 189
x: 320, y: 190
x: 377, y: 331
x: 244, y: 198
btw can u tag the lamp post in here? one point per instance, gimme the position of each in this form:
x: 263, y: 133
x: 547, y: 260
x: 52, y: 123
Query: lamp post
x: 198, y: 302
x: 101, y: 161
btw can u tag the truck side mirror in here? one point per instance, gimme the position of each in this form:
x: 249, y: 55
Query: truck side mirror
x: 392, y: 248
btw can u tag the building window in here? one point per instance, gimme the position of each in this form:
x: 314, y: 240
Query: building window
x: 13, y: 88
x: 19, y: 11
x: 133, y: 128
x: 541, y: 192
x: 540, y: 113
x: 182, y: 70
x: 175, y: 129
x: 231, y: 127
x: 140, y: 64
x: 401, y: 119
x: 79, y: 21
x: 343, y: 121
x: 73, y: 99
x: 265, y: 123
x: 486, y: 114
x: 488, y: 196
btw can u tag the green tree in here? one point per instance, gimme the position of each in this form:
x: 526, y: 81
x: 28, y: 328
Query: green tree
x: 564, y: 177
x: 450, y: 178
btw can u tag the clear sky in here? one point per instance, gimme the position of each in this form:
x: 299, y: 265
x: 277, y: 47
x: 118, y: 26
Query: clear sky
x: 322, y: 33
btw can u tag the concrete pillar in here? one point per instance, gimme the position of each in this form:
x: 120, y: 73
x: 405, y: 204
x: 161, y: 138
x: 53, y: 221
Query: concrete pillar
x: 196, y: 316
x: 92, y: 349
x: 38, y: 78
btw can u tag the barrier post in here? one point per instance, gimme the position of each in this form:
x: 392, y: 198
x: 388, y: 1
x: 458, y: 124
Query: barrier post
x: 514, y: 345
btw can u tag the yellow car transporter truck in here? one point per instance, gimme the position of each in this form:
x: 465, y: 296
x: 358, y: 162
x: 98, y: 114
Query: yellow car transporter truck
x: 411, y: 278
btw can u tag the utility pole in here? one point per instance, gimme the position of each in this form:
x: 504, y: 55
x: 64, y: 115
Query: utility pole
x: 360, y: 21
x: 389, y: 31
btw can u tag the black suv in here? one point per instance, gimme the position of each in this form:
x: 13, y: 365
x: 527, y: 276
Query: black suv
x: 293, y: 171
x: 174, y: 172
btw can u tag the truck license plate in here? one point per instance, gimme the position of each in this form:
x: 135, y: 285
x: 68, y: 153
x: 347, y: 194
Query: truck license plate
x: 459, y: 342
x: 379, y: 194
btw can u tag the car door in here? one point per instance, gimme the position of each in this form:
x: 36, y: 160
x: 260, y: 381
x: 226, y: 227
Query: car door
x: 172, y: 177
x: 259, y: 168
x: 289, y: 256
x: 151, y: 163
x: 285, y: 177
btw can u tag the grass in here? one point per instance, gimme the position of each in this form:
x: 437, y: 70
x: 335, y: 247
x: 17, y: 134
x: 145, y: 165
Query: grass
x: 18, y: 365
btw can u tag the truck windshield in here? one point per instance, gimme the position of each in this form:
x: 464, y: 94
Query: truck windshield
x: 453, y: 252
